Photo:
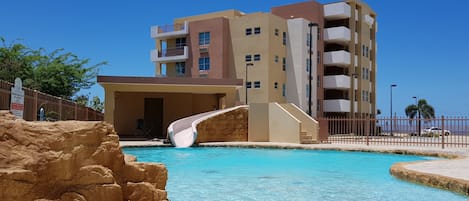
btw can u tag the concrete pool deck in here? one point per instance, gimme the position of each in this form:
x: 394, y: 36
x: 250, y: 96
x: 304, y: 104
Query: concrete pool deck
x: 451, y: 172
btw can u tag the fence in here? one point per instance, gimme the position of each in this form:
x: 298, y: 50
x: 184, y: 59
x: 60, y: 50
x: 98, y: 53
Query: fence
x: 441, y: 132
x: 55, y: 107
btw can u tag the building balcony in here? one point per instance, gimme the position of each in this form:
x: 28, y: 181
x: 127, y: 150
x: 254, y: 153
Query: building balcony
x: 336, y: 11
x: 337, y: 35
x: 170, y: 55
x: 338, y: 105
x: 170, y: 31
x: 368, y: 20
x: 337, y: 58
x: 338, y: 82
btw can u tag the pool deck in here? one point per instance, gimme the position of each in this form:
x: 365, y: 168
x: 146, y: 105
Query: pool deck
x: 451, y: 173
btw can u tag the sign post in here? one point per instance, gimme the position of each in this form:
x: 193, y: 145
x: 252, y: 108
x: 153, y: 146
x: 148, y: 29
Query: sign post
x: 17, y: 99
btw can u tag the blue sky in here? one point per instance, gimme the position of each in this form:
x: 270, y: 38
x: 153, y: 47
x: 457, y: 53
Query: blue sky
x: 423, y: 46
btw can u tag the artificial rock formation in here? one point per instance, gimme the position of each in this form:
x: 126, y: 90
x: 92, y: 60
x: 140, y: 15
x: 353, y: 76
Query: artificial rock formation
x: 226, y: 127
x: 71, y: 160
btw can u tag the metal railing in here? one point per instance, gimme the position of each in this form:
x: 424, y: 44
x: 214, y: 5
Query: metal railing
x: 55, y: 108
x: 168, y: 52
x: 440, y: 132
x: 170, y: 28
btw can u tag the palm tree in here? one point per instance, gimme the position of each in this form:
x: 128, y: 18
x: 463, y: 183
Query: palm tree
x: 422, y: 109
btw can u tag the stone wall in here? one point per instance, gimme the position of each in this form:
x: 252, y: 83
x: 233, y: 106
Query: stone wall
x: 227, y: 127
x: 71, y: 160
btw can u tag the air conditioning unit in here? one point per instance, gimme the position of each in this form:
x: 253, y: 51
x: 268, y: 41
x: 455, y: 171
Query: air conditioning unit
x: 203, y: 50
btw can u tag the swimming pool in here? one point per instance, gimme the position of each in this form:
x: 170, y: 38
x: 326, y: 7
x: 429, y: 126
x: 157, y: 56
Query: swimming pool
x: 284, y: 174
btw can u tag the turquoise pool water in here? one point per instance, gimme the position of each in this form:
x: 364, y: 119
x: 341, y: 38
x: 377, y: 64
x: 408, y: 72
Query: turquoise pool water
x: 202, y: 174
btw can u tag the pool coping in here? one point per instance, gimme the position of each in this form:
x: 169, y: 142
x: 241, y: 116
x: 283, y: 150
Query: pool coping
x: 408, y: 171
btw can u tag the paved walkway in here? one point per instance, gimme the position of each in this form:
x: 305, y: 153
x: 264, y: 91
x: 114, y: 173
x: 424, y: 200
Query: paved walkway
x: 148, y: 143
x: 455, y: 169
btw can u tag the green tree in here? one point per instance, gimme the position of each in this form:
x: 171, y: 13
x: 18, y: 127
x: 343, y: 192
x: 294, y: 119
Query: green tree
x: 58, y: 73
x: 82, y: 100
x: 96, y: 104
x: 16, y: 60
x: 422, y: 109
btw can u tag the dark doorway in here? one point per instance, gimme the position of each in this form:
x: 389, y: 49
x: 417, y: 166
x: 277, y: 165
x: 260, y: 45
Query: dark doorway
x: 153, y: 118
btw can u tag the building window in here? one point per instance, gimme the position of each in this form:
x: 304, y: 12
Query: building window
x: 367, y: 74
x: 284, y: 90
x: 248, y: 85
x: 319, y: 33
x: 319, y: 57
x: 366, y: 52
x: 308, y: 40
x: 204, y: 63
x: 180, y: 42
x: 248, y: 31
x: 284, y: 38
x: 248, y: 57
x: 276, y: 32
x: 284, y: 63
x: 363, y: 73
x: 318, y: 105
x: 257, y: 84
x: 204, y: 38
x: 363, y: 50
x: 318, y: 81
x: 276, y: 59
x: 257, y: 30
x: 257, y: 57
x: 180, y: 68
x: 307, y: 91
x: 276, y: 85
x: 365, y: 96
x: 308, y: 65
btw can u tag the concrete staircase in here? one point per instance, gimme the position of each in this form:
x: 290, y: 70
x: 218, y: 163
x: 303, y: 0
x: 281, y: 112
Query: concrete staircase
x: 309, y: 128
x: 306, y: 138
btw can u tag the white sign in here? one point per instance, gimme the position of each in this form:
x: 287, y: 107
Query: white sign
x: 17, y: 99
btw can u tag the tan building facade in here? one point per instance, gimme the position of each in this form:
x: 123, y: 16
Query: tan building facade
x: 305, y: 53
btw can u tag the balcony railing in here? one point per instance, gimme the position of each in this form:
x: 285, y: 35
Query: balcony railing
x: 337, y: 105
x: 338, y: 82
x: 168, y: 31
x: 337, y: 58
x: 337, y: 34
x: 170, y: 28
x: 337, y: 11
x: 170, y: 54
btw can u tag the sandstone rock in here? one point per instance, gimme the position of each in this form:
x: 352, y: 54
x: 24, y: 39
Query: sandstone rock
x: 152, y: 173
x: 130, y: 158
x: 71, y: 160
x: 94, y: 174
x: 72, y: 196
x: 143, y: 191
x: 101, y: 192
x: 16, y: 184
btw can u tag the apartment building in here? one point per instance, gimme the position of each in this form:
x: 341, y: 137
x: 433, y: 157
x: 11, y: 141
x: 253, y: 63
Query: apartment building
x: 320, y: 57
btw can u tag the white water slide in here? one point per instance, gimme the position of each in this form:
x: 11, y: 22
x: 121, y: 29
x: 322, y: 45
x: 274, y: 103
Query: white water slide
x: 183, y: 132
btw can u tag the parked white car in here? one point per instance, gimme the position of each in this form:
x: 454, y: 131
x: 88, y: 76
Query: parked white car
x: 435, y: 131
